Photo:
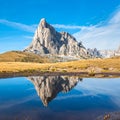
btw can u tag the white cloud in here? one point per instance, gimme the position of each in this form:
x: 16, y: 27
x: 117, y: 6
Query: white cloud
x: 115, y: 18
x: 31, y: 28
x: 98, y: 86
x: 100, y: 36
x: 24, y: 27
x: 106, y: 36
x: 28, y: 37
x: 68, y: 26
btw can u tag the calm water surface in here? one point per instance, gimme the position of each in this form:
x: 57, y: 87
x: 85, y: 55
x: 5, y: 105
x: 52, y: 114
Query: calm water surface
x: 58, y: 98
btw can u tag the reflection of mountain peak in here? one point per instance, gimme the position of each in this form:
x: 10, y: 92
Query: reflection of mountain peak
x: 48, y: 87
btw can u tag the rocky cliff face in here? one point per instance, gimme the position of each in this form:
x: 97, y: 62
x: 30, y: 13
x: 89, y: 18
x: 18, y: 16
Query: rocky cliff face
x: 48, y: 87
x: 48, y: 41
x: 94, y: 53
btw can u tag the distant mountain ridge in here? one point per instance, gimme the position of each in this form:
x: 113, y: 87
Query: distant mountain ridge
x: 103, y: 53
x: 48, y: 41
x: 110, y: 53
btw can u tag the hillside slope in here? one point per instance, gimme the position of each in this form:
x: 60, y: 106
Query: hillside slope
x: 19, y: 56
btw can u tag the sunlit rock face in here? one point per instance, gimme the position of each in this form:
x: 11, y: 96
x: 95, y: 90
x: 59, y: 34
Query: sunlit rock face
x: 47, y: 40
x: 48, y: 87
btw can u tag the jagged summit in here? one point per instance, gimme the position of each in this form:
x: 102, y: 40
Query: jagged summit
x: 43, y: 20
x: 47, y: 40
x: 43, y: 24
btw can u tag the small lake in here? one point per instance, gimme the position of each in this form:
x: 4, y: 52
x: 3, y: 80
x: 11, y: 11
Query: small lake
x: 58, y: 97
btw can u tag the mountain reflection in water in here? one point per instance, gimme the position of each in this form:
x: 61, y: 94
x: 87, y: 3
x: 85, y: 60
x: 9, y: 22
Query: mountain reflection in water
x: 48, y: 87
x: 87, y: 100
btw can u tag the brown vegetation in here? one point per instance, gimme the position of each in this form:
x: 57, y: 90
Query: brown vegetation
x: 19, y: 56
x: 91, y: 66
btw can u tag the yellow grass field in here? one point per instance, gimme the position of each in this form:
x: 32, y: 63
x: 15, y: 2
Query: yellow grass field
x: 91, y: 66
x: 19, y: 56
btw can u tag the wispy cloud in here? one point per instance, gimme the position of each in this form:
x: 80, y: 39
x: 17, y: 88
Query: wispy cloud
x: 28, y: 37
x: 101, y: 87
x: 106, y: 36
x: 100, y: 36
x: 24, y: 27
x: 31, y: 28
x: 116, y: 17
x: 60, y: 26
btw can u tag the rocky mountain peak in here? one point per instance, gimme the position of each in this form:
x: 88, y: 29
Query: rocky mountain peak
x: 43, y: 25
x: 47, y: 40
x: 43, y: 22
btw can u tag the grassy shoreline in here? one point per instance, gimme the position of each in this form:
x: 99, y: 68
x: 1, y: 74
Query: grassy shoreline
x: 80, y: 74
x: 91, y: 67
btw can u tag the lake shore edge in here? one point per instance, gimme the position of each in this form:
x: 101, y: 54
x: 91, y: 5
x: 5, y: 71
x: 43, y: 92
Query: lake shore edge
x: 80, y: 74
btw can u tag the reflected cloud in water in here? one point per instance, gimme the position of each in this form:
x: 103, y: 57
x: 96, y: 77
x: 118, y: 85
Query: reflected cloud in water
x: 70, y: 98
x: 97, y: 87
x: 48, y: 87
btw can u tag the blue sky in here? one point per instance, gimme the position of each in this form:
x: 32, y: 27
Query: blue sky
x: 94, y: 22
